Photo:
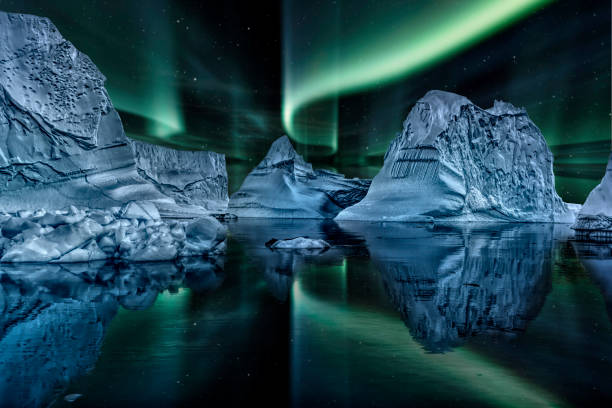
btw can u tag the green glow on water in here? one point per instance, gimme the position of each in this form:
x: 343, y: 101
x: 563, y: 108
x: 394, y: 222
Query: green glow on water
x: 486, y: 380
x: 408, y: 41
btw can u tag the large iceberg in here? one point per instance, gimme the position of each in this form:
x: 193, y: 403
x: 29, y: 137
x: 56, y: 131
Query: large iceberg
x: 455, y: 161
x: 284, y: 185
x: 134, y: 232
x: 594, y: 222
x: 62, y: 142
x: 196, y: 180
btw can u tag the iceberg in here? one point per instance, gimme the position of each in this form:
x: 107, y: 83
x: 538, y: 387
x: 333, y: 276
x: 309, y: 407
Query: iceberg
x: 298, y: 243
x: 196, y: 180
x: 284, y: 185
x: 62, y: 142
x: 594, y: 221
x: 454, y: 161
x: 134, y: 232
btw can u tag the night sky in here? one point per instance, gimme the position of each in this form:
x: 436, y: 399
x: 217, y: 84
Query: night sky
x: 340, y: 76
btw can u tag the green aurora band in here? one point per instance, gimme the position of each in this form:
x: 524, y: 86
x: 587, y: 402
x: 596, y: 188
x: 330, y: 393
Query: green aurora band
x: 363, y: 58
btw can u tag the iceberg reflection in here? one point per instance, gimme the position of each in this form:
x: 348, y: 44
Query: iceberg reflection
x: 597, y: 260
x: 452, y: 283
x: 53, y: 318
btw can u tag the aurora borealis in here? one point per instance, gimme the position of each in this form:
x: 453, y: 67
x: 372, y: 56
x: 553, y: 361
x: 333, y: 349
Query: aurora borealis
x: 350, y: 56
x: 340, y: 76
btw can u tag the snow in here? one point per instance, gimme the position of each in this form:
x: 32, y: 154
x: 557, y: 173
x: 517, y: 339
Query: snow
x: 284, y: 185
x: 134, y: 232
x: 454, y: 161
x: 594, y: 221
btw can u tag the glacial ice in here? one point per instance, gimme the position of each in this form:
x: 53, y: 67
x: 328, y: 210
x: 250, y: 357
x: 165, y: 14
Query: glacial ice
x: 283, y: 185
x: 298, y: 243
x: 62, y: 142
x: 134, y: 232
x: 594, y: 221
x: 457, y: 162
x: 194, y: 179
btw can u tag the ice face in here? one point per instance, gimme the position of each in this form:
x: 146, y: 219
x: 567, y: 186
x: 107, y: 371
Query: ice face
x: 298, y: 243
x: 134, y: 232
x: 283, y: 185
x: 62, y: 142
x: 194, y: 179
x: 594, y: 222
x: 457, y: 162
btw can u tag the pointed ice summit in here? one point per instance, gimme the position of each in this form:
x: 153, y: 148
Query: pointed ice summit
x: 457, y: 162
x: 594, y: 222
x: 283, y: 185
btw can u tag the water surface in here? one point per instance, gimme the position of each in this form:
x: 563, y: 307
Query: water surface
x: 392, y: 315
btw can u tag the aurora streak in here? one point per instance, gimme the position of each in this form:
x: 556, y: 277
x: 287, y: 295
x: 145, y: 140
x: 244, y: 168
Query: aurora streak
x: 363, y: 63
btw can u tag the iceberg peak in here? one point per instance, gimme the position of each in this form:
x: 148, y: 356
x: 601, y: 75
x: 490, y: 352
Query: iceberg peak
x: 594, y: 222
x: 454, y: 161
x: 284, y: 185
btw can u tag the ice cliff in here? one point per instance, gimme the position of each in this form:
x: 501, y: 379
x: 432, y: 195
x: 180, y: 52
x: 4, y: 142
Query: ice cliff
x: 284, y: 185
x: 456, y: 161
x: 594, y: 222
x: 194, y: 179
x: 62, y: 142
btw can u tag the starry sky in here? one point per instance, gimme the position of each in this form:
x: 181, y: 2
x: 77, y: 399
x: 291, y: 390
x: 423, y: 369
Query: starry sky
x: 340, y: 76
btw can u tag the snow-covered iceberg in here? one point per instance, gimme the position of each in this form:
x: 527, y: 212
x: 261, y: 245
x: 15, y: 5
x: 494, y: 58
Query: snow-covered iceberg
x: 134, y: 232
x: 455, y: 161
x: 196, y: 180
x: 284, y: 185
x: 594, y: 221
x: 62, y: 142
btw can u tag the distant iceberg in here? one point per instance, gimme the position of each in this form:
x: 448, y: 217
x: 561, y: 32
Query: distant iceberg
x: 284, y: 185
x: 594, y: 222
x: 454, y: 161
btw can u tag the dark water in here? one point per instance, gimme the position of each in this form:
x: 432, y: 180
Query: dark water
x: 392, y: 315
